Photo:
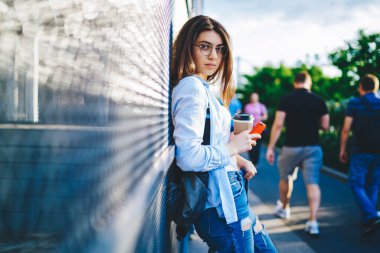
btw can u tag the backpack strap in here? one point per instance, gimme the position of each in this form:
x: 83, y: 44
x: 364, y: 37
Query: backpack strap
x: 207, y: 130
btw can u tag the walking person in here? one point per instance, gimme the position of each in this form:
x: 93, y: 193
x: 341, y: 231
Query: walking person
x: 302, y: 113
x: 202, y: 55
x: 363, y: 117
x: 259, y: 113
x: 234, y: 108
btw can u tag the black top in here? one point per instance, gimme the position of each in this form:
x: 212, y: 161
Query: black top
x: 303, y: 117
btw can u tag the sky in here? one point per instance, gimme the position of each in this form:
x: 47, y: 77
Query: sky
x: 273, y: 31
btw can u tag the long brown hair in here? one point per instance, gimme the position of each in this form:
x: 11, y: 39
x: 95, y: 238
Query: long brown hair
x: 182, y: 64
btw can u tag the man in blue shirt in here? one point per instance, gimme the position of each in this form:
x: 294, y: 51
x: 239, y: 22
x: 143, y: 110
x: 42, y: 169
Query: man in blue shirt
x: 363, y: 115
x: 235, y: 107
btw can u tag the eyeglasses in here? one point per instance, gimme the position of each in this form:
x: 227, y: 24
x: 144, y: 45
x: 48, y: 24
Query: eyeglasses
x: 206, y: 49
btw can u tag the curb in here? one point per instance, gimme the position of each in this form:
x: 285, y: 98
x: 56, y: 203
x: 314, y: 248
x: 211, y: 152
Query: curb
x: 334, y: 173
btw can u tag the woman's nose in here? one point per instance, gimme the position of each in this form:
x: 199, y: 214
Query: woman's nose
x: 213, y: 54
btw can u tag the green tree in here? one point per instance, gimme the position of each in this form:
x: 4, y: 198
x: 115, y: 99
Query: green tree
x: 358, y: 57
x: 354, y: 59
x: 271, y: 83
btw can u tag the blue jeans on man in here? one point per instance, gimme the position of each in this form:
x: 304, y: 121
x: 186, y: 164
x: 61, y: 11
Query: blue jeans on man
x: 364, y: 180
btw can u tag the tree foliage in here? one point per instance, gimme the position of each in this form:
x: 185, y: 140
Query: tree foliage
x: 358, y: 57
x: 354, y: 59
x: 271, y: 83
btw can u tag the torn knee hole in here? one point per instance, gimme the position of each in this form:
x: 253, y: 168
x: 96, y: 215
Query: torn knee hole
x: 246, y: 224
x: 258, y: 227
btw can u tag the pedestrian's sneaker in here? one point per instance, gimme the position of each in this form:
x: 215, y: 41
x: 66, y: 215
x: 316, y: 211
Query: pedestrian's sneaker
x: 370, y: 227
x: 312, y: 227
x: 281, y: 212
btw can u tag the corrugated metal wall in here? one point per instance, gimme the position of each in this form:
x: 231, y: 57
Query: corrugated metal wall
x: 84, y: 125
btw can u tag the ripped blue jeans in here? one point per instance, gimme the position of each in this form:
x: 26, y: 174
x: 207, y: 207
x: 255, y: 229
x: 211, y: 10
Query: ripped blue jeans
x: 238, y: 236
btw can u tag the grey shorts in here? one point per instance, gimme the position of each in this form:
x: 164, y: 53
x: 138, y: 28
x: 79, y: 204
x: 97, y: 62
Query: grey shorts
x: 308, y: 158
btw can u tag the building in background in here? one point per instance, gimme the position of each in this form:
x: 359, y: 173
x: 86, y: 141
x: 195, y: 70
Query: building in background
x: 84, y: 124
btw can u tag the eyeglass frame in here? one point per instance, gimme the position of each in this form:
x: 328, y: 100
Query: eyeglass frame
x: 219, y: 53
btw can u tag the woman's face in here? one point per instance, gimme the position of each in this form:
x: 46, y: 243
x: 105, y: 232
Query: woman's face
x: 207, y: 53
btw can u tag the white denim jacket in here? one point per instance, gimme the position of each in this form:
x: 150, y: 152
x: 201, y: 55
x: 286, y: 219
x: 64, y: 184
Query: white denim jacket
x: 190, y: 99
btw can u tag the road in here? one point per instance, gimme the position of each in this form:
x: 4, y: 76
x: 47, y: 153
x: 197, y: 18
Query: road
x: 339, y: 214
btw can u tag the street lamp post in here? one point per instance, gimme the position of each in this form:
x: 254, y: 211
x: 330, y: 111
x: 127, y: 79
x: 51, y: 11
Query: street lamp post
x: 239, y: 61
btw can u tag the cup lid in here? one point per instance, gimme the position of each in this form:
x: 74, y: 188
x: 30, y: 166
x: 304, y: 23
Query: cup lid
x: 243, y: 116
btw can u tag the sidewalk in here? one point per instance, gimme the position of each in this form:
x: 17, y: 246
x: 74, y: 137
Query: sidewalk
x: 282, y: 235
x: 338, y: 215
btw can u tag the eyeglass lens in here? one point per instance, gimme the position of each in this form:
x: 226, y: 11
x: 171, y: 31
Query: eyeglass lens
x: 206, y: 49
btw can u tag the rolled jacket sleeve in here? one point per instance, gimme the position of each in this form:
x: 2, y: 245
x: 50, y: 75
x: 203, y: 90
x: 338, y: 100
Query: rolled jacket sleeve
x: 189, y: 104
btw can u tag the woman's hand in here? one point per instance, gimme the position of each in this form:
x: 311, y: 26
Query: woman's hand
x: 242, y: 142
x: 250, y: 169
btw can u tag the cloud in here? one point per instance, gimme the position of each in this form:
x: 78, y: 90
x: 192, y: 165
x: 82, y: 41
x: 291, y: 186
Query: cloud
x: 287, y: 31
x: 291, y: 9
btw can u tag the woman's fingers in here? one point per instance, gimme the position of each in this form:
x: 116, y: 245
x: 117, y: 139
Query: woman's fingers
x: 255, y: 136
x: 251, y: 138
x: 250, y: 170
x: 243, y: 142
x: 248, y: 176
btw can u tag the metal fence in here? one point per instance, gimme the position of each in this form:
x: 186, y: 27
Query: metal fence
x: 84, y: 125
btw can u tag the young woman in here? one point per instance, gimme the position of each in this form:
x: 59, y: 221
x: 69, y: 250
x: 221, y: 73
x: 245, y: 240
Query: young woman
x: 259, y: 113
x: 202, y: 54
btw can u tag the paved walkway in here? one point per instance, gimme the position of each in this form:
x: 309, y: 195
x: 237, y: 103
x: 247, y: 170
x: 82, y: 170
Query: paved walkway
x: 338, y: 216
x: 282, y: 235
